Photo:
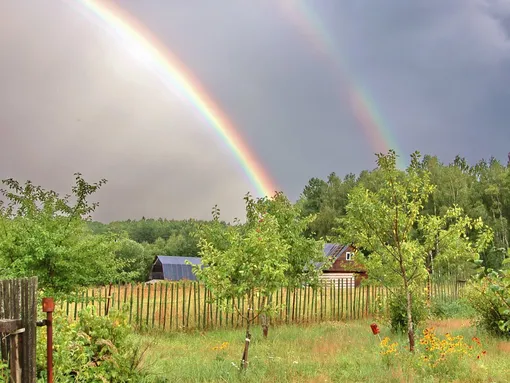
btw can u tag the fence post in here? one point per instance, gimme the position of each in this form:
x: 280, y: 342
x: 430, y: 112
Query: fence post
x: 48, y: 306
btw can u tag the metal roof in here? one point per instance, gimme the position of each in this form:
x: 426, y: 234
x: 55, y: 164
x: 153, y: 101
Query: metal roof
x: 332, y: 250
x: 176, y: 269
x: 173, y: 260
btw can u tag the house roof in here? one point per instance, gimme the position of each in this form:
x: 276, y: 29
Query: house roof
x: 332, y: 250
x: 174, y: 260
x: 176, y: 268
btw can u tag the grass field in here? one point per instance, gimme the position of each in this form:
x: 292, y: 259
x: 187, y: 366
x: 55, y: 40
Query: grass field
x: 327, y: 352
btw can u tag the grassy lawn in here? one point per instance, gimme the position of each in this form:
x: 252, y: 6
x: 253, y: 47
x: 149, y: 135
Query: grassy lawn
x: 329, y: 352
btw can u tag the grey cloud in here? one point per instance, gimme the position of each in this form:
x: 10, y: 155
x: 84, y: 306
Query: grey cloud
x: 74, y: 99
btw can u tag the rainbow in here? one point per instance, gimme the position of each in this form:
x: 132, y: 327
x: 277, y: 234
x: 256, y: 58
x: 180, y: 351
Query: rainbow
x: 176, y: 77
x: 363, y: 108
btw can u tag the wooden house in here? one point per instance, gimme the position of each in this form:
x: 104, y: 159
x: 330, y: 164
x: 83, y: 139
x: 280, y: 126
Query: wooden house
x: 344, y: 264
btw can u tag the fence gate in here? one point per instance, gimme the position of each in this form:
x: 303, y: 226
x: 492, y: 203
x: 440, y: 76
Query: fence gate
x: 18, y: 317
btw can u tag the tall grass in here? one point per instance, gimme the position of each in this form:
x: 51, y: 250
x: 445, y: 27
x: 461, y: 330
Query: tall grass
x: 327, y: 352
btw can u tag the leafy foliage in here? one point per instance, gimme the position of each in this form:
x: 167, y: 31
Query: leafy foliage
x: 268, y: 252
x: 479, y: 191
x: 93, y: 349
x: 44, y: 234
x: 398, y: 310
x: 390, y: 225
x: 445, y: 309
x: 490, y: 297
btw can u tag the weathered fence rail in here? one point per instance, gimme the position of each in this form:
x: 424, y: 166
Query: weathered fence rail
x: 18, y: 317
x: 174, y: 306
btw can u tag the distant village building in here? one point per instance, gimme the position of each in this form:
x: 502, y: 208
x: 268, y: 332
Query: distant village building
x: 344, y: 265
x: 173, y: 268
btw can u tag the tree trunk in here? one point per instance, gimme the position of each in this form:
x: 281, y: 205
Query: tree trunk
x: 264, y: 320
x: 247, y: 340
x: 265, y: 324
x: 410, y: 327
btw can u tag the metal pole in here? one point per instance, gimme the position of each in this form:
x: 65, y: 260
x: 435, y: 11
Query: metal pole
x: 48, y: 307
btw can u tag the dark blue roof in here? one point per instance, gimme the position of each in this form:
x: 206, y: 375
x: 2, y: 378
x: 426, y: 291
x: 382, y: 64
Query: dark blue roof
x: 176, y: 268
x: 173, y: 260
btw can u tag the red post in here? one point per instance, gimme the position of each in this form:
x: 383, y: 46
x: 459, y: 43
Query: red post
x: 48, y: 306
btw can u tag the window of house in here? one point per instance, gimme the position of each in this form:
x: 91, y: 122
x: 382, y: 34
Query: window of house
x: 349, y: 256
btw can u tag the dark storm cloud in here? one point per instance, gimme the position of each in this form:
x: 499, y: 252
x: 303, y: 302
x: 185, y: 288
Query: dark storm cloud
x: 74, y: 99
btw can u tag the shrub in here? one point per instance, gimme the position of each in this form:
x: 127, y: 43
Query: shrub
x: 459, y: 308
x: 93, y: 349
x: 398, y: 310
x: 490, y: 298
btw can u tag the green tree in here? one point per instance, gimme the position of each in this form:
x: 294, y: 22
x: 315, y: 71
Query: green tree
x: 46, y: 235
x: 257, y: 258
x: 384, y: 222
x: 327, y: 201
x: 135, y: 259
x: 303, y: 250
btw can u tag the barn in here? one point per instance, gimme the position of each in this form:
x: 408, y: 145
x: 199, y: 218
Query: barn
x: 344, y: 265
x: 172, y: 268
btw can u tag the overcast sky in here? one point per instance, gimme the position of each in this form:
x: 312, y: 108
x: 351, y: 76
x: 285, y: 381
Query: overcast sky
x: 75, y: 99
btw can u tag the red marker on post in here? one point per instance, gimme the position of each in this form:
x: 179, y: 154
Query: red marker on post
x: 375, y: 330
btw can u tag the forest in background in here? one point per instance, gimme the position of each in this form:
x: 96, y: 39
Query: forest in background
x: 481, y: 190
x: 52, y: 236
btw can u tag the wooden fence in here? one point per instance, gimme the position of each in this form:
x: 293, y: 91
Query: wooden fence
x: 18, y: 317
x: 177, y: 306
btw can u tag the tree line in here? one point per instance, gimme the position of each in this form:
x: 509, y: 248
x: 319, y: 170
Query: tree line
x: 43, y: 232
x: 481, y: 190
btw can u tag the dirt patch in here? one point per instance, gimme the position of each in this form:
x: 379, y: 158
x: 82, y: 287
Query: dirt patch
x: 504, y: 346
x: 325, y: 348
x: 449, y: 324
x: 319, y: 379
x: 399, y: 376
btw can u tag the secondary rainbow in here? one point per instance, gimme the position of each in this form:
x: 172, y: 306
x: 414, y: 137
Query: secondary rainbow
x: 363, y: 108
x: 177, y: 77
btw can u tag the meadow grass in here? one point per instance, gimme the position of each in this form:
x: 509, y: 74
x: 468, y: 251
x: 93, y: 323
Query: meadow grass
x: 327, y: 352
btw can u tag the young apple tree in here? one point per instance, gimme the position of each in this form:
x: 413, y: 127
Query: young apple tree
x: 388, y: 223
x: 304, y: 252
x: 256, y: 258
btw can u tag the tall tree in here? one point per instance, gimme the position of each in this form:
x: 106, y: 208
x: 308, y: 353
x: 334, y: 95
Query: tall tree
x: 384, y: 221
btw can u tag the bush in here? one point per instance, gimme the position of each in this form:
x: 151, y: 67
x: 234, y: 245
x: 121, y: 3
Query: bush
x: 93, y: 349
x: 490, y: 298
x: 459, y: 308
x: 398, y: 310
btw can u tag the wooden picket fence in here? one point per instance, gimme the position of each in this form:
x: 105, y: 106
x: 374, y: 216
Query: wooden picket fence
x: 174, y: 306
x: 18, y: 317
